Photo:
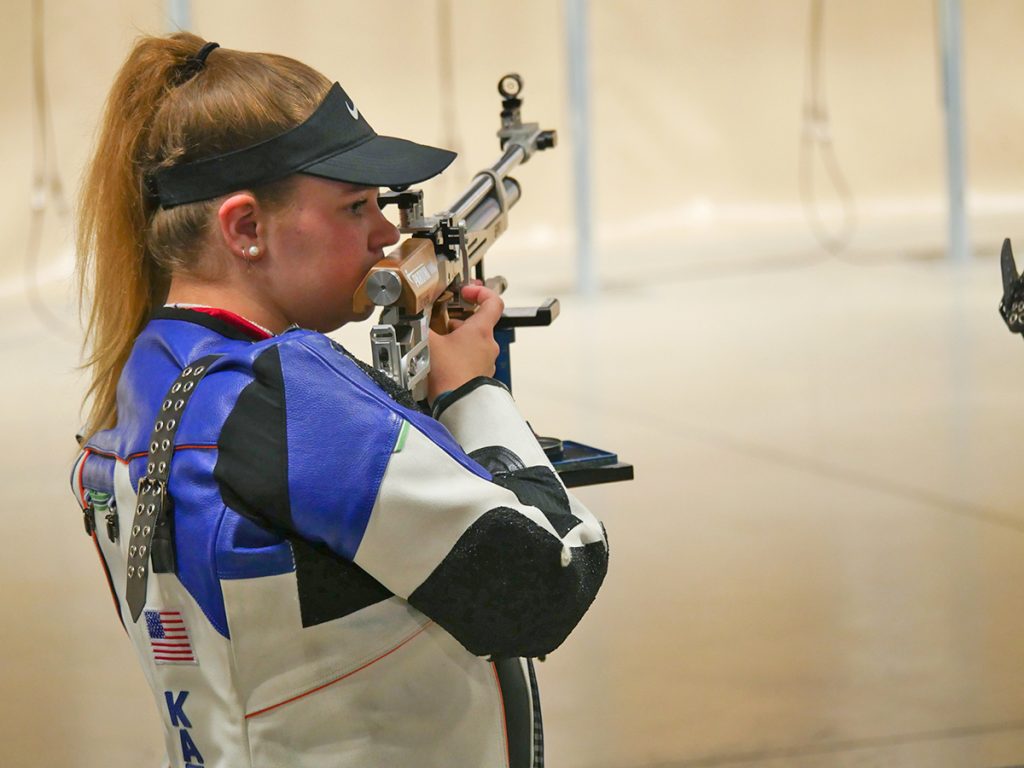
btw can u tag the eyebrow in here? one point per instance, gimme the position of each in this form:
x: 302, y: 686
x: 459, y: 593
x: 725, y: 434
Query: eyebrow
x: 358, y: 189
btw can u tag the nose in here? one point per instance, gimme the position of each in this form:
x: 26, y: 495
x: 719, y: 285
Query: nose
x: 384, y: 233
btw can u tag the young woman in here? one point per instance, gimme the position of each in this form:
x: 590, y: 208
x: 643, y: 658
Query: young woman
x: 313, y: 570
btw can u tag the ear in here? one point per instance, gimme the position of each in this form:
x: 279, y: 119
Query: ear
x: 239, y: 216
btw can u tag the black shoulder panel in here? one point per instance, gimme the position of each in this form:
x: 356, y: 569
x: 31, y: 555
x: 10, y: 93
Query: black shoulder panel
x: 252, y: 456
x: 538, y: 487
x: 331, y: 587
x: 503, y: 592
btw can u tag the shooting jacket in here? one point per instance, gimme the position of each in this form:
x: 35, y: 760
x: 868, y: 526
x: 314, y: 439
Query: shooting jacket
x: 355, y: 583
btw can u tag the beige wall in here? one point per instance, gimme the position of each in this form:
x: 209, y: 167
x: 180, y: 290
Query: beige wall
x: 696, y: 106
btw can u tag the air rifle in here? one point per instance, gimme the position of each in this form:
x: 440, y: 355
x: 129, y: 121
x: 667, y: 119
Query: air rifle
x: 418, y: 284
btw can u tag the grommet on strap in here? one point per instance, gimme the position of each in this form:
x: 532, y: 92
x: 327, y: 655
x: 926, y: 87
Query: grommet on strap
x: 153, y: 527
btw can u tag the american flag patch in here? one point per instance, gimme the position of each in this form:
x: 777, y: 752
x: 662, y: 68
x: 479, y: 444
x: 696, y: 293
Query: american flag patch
x: 168, y: 638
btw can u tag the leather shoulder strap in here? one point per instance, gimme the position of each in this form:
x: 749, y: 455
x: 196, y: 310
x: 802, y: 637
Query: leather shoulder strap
x: 152, y: 534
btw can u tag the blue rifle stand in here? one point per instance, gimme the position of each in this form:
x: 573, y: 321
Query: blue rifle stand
x: 576, y: 464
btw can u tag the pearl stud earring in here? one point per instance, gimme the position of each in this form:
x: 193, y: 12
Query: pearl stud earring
x: 254, y: 251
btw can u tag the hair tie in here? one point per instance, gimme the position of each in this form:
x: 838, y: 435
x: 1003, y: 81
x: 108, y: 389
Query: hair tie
x: 194, y: 64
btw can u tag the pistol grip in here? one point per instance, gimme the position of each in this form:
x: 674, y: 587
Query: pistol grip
x: 439, y: 316
x: 445, y: 311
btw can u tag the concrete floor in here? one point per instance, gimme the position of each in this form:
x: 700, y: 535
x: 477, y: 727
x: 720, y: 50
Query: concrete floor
x: 820, y: 562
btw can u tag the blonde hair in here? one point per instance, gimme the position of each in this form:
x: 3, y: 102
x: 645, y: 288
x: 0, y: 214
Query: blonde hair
x: 157, y: 116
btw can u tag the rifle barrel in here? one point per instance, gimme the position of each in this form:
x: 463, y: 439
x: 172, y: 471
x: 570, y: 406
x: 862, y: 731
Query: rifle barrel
x: 482, y: 186
x: 488, y: 210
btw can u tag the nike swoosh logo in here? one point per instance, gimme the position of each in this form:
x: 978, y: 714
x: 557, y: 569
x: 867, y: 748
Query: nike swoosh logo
x: 353, y: 110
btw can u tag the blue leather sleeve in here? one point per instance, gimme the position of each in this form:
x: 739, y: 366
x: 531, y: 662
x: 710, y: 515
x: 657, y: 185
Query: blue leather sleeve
x: 323, y: 348
x: 339, y: 443
x: 341, y: 431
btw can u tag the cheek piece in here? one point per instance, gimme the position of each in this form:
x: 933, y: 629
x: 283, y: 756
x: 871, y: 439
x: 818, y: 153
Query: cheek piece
x: 335, y: 142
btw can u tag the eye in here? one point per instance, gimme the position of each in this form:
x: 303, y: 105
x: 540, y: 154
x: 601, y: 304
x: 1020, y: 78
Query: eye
x: 357, y: 206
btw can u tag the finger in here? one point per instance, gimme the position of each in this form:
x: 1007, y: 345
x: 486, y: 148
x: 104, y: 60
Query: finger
x: 478, y: 294
x: 454, y: 324
x: 474, y: 293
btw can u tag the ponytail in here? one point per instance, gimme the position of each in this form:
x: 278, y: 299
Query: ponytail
x: 162, y: 111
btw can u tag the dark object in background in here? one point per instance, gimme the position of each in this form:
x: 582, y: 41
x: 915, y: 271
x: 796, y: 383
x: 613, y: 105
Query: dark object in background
x: 1012, y: 305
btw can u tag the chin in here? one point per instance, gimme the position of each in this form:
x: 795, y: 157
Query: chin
x: 327, y: 325
x: 364, y: 315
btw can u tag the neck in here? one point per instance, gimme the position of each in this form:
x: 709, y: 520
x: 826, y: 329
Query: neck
x: 186, y: 290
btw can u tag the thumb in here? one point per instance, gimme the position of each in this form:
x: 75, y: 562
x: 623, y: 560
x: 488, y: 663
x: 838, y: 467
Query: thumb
x: 489, y: 304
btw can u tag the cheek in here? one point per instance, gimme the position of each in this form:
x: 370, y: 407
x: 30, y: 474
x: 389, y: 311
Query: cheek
x: 351, y: 237
x: 352, y: 252
x: 325, y: 259
x: 342, y: 265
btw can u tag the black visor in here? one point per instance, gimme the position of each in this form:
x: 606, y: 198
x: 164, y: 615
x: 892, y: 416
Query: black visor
x: 335, y: 142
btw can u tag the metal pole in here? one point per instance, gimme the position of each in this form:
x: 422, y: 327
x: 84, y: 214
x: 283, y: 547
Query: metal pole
x: 951, y: 24
x: 576, y: 28
x: 179, y: 15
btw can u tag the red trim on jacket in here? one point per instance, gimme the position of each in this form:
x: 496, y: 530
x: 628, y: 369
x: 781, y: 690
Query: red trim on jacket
x: 237, y: 321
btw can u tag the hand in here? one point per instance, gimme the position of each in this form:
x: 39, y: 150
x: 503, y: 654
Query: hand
x: 469, y: 349
x: 1012, y: 305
